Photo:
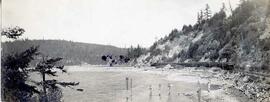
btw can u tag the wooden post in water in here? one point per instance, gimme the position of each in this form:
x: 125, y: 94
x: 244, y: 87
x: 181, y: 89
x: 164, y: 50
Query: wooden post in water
x: 131, y: 89
x: 159, y: 89
x: 150, y: 93
x: 126, y: 99
x: 127, y: 88
x: 199, y: 94
x: 169, y: 88
x: 127, y: 83
x: 150, y: 89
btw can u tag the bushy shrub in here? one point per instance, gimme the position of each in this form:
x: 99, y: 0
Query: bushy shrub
x: 227, y: 52
x: 156, y: 52
x: 265, y: 44
x: 186, y: 29
x: 167, y: 48
x: 213, y: 55
x: 173, y: 35
x: 192, y: 49
x: 153, y: 47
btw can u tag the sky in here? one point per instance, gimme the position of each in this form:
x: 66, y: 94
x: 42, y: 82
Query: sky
x: 120, y: 23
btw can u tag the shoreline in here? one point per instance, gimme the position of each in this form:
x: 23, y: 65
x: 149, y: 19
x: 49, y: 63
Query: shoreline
x: 193, y: 75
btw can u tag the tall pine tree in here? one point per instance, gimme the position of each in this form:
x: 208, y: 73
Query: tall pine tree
x: 207, y: 12
x: 16, y: 69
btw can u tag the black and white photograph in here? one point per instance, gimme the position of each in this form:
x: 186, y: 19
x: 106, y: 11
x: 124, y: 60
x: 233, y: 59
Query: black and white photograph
x: 135, y: 50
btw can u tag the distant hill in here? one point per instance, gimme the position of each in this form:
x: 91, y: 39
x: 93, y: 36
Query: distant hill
x: 72, y: 52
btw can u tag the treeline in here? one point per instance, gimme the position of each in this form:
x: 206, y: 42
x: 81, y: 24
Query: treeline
x: 135, y: 52
x: 72, y: 52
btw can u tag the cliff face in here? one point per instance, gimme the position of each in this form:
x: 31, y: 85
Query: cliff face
x: 242, y: 38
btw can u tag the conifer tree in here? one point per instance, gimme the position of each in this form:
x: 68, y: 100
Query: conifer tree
x: 15, y: 72
x: 207, y: 12
x: 47, y: 67
x: 201, y: 14
x: 223, y: 8
x: 198, y: 18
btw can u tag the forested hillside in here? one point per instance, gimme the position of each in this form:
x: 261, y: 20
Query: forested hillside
x: 72, y: 52
x: 241, y: 38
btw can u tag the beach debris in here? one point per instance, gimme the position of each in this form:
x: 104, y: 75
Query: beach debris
x: 188, y: 94
x: 79, y: 89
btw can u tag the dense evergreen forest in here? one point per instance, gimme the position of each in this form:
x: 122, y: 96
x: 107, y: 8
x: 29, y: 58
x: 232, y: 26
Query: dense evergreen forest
x: 240, y: 37
x: 72, y: 52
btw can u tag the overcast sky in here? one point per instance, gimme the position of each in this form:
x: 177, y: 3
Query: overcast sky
x: 115, y: 22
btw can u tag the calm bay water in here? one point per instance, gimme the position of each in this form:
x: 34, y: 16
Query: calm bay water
x: 109, y: 84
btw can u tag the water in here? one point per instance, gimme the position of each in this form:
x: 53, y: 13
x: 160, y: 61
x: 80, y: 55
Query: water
x: 101, y: 84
